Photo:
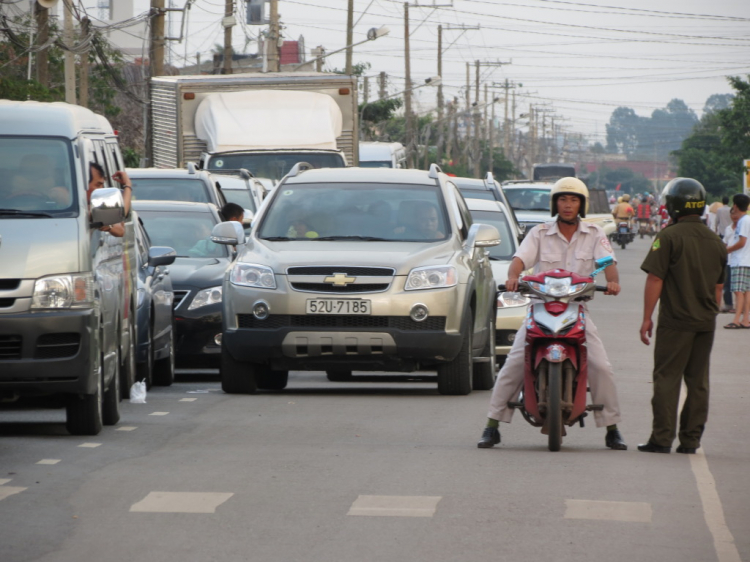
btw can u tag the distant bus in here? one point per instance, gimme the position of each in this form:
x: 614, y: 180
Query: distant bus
x: 551, y: 172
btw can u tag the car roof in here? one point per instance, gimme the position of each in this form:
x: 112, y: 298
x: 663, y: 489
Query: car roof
x: 485, y: 205
x: 231, y: 182
x: 141, y: 173
x: 470, y: 183
x: 50, y: 119
x: 362, y: 175
x: 173, y: 206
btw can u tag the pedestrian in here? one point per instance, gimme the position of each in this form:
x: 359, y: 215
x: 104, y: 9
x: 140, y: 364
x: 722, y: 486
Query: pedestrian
x: 730, y: 237
x: 740, y: 264
x: 685, y: 268
x: 723, y: 220
x: 572, y: 244
x: 724, y: 224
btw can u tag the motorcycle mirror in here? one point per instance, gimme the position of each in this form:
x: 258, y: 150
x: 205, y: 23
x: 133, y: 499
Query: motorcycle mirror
x: 604, y: 262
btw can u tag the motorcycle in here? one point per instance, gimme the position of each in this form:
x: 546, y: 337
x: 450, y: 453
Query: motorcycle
x: 623, y: 235
x: 556, y: 365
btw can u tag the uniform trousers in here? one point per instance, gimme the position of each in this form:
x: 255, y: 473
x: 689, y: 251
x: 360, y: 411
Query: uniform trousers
x: 679, y: 355
x: 601, y: 379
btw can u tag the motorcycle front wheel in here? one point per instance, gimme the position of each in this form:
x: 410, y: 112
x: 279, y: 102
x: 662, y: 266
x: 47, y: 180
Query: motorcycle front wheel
x: 554, y: 405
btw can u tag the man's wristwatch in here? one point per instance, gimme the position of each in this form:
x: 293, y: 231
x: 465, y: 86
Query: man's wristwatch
x: 130, y: 187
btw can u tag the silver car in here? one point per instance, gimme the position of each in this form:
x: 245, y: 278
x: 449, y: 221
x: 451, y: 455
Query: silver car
x: 359, y: 269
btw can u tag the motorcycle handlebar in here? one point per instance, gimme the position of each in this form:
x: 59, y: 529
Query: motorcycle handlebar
x: 601, y: 288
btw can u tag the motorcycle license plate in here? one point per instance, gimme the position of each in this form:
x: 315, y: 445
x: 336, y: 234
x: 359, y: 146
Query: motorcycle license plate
x: 338, y: 306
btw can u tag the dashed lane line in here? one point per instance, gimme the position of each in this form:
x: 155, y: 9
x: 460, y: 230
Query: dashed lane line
x: 180, y: 502
x: 49, y: 461
x: 395, y: 506
x: 90, y: 445
x: 637, y: 512
x: 127, y: 428
x: 159, y: 413
x: 6, y: 491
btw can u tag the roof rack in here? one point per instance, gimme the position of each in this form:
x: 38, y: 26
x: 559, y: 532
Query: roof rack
x: 434, y: 171
x: 244, y: 173
x: 191, y: 168
x: 489, y: 180
x: 298, y: 168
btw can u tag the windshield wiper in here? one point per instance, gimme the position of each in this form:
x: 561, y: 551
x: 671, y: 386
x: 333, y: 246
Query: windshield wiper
x: 364, y: 238
x: 493, y: 258
x: 277, y: 238
x: 537, y: 209
x: 18, y: 213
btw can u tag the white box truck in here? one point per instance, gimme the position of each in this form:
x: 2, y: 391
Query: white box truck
x: 264, y: 122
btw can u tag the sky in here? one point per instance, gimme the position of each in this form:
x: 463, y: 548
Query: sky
x: 579, y: 59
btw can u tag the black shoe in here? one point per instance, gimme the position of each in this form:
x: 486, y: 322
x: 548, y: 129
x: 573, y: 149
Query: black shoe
x: 651, y: 448
x: 614, y: 440
x: 686, y: 450
x: 490, y: 438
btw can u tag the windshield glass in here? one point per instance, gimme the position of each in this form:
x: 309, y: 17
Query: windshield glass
x: 507, y: 247
x: 478, y: 194
x: 188, y: 233
x: 375, y: 164
x: 36, y: 178
x: 273, y: 165
x: 355, y: 211
x: 170, y: 189
x: 241, y: 197
x: 528, y: 198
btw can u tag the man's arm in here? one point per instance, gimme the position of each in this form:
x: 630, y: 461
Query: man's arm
x: 613, y: 280
x: 122, y: 178
x: 719, y: 294
x: 651, y: 296
x: 514, y: 271
x: 738, y: 246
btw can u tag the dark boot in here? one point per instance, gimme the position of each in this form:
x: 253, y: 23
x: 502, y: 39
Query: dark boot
x: 614, y: 440
x: 490, y: 438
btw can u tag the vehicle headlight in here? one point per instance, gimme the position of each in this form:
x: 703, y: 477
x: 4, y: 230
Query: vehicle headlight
x: 508, y: 300
x: 431, y: 277
x: 557, y: 287
x: 141, y: 296
x: 252, y: 275
x: 212, y: 295
x: 75, y: 290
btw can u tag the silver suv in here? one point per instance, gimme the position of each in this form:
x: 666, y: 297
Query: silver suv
x: 359, y: 269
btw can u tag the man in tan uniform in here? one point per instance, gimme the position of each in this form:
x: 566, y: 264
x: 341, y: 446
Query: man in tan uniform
x: 573, y: 245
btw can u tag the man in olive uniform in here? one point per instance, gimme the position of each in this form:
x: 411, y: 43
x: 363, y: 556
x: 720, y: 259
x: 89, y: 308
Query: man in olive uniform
x: 685, y: 268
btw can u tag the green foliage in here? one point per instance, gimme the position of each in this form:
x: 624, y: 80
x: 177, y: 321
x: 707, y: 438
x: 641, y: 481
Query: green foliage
x: 380, y: 110
x: 358, y: 69
x: 131, y: 157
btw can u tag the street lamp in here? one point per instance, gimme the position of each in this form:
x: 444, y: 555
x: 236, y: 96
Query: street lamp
x: 431, y: 81
x: 372, y: 34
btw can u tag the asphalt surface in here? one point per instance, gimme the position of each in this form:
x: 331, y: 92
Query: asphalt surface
x: 380, y: 472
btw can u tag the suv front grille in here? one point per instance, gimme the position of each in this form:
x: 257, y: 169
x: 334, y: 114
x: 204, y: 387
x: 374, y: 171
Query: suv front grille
x: 314, y: 321
x: 10, y: 347
x: 329, y: 288
x: 7, y: 303
x: 349, y: 270
x: 9, y: 284
x: 57, y: 346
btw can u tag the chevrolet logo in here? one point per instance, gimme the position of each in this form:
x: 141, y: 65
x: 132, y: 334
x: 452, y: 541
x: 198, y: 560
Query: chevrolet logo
x: 339, y: 280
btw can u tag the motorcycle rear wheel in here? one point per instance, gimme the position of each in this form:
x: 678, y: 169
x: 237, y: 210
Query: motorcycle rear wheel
x: 554, y: 405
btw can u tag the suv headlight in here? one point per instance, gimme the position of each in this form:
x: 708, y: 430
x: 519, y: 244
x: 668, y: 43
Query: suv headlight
x: 253, y: 275
x: 431, y: 277
x: 75, y: 290
x: 212, y: 295
x: 509, y: 300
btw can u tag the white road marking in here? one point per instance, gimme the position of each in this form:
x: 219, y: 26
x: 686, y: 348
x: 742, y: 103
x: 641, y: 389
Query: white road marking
x: 49, y: 461
x: 126, y: 428
x: 158, y: 413
x: 6, y: 491
x: 188, y: 399
x: 4, y: 481
x: 638, y: 512
x: 180, y: 502
x: 90, y: 445
x: 395, y: 506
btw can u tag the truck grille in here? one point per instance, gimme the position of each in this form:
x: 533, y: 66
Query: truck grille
x: 10, y: 347
x: 276, y: 321
x: 57, y: 346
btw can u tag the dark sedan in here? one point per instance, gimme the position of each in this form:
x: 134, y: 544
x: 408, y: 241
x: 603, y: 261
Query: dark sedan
x: 197, y: 275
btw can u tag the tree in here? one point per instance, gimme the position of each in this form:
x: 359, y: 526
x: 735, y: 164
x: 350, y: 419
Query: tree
x: 622, y: 131
x: 716, y: 102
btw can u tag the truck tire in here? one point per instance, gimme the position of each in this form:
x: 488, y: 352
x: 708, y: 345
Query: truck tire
x: 111, y: 399
x: 269, y: 379
x: 84, y: 413
x: 455, y: 377
x: 163, y: 373
x: 237, y: 377
x: 342, y: 375
x: 486, y: 373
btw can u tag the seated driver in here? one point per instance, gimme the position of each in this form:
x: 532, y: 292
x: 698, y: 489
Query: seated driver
x: 425, y: 225
x: 573, y: 245
x: 36, y: 179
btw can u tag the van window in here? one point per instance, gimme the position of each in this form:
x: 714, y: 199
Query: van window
x: 36, y: 176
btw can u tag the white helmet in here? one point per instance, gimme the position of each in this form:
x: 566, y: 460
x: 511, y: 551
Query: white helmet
x: 572, y: 186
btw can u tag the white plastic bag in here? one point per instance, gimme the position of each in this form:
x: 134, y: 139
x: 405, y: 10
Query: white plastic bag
x: 138, y: 393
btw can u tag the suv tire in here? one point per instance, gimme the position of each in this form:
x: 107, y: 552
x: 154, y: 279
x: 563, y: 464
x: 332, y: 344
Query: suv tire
x: 339, y: 376
x: 163, y: 371
x: 84, y: 413
x: 237, y: 377
x: 485, y: 373
x: 455, y: 377
x: 269, y: 379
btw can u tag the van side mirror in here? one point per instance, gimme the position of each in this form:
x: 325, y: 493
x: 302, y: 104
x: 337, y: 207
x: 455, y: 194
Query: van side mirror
x: 247, y: 218
x: 107, y: 207
x: 229, y: 232
x: 161, y: 255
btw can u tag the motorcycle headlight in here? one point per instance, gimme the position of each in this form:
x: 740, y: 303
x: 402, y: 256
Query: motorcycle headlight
x: 431, y: 277
x: 557, y: 287
x: 212, y: 295
x: 508, y: 300
x: 253, y: 275
x: 75, y: 290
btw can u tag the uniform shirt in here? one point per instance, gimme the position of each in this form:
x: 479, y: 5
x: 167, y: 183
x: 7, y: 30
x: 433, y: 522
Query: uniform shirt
x: 690, y: 259
x: 545, y: 248
x: 723, y: 220
x: 623, y: 211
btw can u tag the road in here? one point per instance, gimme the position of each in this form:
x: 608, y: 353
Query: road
x: 380, y: 472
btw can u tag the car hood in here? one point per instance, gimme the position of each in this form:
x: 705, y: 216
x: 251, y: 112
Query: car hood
x: 32, y: 248
x: 533, y: 216
x: 402, y: 256
x: 197, y: 273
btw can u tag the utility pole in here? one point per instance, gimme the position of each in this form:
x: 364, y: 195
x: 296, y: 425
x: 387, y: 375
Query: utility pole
x: 440, y: 101
x: 70, y: 58
x: 349, y: 37
x: 507, y: 86
x: 83, y: 85
x: 468, y: 86
x: 366, y: 89
x: 156, y: 54
x: 476, y: 157
x: 228, y: 23
x: 492, y: 138
x: 273, y: 38
x: 382, y: 82
x: 42, y: 57
x: 407, y: 91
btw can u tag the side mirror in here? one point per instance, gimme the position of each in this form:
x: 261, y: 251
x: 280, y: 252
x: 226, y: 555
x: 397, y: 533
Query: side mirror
x: 107, y: 207
x: 247, y: 218
x: 604, y: 262
x: 486, y: 236
x: 230, y: 233
x: 161, y: 255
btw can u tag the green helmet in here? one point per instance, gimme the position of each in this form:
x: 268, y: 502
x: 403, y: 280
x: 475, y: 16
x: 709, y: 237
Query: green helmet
x: 683, y: 197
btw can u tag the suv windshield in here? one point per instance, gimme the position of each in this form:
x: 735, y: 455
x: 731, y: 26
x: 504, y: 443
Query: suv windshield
x: 528, y: 198
x: 273, y: 165
x: 356, y: 212
x: 188, y: 233
x: 485, y: 194
x: 170, y: 189
x: 36, y: 178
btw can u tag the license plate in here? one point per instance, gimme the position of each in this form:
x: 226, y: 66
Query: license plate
x: 338, y: 306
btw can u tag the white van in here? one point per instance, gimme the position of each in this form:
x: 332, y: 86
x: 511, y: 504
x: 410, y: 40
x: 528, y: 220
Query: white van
x: 67, y: 289
x: 382, y: 155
